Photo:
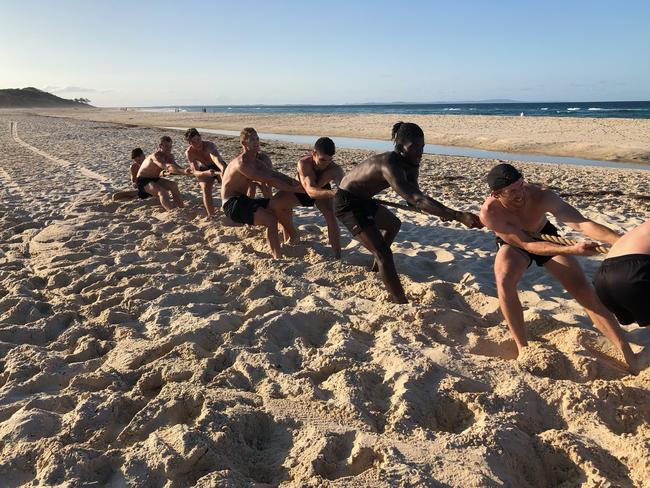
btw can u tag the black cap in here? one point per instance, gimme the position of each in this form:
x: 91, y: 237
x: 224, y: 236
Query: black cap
x: 502, y: 175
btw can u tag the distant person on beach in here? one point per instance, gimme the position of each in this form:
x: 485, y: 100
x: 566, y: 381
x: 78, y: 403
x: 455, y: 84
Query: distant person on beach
x: 148, y: 181
x: 206, y: 163
x: 623, y: 280
x: 253, y: 165
x: 371, y: 223
x: 516, y: 207
x: 316, y: 172
x: 137, y: 157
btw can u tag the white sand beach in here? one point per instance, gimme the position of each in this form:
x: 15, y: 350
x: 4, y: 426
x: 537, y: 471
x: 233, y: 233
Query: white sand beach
x: 144, y: 348
x: 608, y: 139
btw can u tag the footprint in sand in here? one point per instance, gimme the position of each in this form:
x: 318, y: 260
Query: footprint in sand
x: 343, y: 456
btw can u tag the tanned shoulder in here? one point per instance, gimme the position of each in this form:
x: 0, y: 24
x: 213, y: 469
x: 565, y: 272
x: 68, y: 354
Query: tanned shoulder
x: 490, y: 213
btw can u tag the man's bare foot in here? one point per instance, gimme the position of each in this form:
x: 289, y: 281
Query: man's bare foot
x: 540, y: 360
x: 287, y: 239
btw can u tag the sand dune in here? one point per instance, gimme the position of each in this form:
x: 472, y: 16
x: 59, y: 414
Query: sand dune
x: 141, y: 348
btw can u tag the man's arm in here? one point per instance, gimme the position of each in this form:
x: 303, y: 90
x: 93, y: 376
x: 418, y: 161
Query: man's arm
x: 134, y: 172
x: 574, y: 219
x: 312, y: 186
x: 396, y: 178
x: 170, y: 165
x: 265, y: 188
x: 216, y: 157
x: 518, y: 238
x: 262, y: 174
x: 194, y: 166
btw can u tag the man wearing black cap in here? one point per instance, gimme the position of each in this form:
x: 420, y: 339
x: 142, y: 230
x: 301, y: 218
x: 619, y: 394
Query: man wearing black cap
x: 514, y: 208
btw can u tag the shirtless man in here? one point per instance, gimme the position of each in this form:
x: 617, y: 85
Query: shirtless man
x: 372, y: 224
x: 515, y: 207
x: 252, y: 165
x: 137, y: 156
x: 623, y: 280
x: 206, y: 163
x: 149, y: 182
x: 315, y: 173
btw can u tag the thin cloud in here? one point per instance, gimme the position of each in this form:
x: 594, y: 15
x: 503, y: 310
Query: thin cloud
x: 73, y: 89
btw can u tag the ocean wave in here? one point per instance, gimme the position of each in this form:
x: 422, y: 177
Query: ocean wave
x: 573, y: 109
x: 450, y: 109
x: 544, y: 108
x: 616, y: 109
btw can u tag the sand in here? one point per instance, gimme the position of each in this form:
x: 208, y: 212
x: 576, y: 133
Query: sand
x: 142, y: 348
x: 624, y: 140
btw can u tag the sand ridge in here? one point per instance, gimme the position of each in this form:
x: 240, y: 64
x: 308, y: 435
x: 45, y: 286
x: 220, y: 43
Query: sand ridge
x: 141, y: 348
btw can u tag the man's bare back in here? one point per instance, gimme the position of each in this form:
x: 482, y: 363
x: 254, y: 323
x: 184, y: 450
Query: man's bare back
x: 369, y: 178
x: 636, y: 241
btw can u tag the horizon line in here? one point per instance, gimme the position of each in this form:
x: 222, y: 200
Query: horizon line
x: 465, y: 102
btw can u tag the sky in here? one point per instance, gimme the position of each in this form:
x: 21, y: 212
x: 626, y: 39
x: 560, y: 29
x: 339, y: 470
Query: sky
x: 144, y: 53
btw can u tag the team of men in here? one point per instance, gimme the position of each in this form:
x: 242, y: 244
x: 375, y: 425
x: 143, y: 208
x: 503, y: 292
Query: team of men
x: 513, y: 210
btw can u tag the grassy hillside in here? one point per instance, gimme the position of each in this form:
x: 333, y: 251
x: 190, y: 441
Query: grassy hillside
x: 32, y: 97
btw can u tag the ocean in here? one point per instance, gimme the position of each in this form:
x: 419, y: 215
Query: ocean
x: 629, y: 110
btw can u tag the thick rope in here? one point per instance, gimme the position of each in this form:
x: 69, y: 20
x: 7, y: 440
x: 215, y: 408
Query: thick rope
x: 563, y: 241
x: 398, y: 205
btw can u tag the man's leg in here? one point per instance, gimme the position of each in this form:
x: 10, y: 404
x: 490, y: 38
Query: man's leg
x: 568, y: 272
x: 333, y: 232
x: 206, y: 184
x: 389, y: 225
x: 373, y: 240
x: 172, y: 187
x: 282, y: 204
x: 125, y: 195
x: 263, y: 216
x: 509, y: 266
x: 161, y: 192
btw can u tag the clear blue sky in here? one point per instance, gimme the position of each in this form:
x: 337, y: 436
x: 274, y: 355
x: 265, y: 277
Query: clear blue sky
x: 129, y: 53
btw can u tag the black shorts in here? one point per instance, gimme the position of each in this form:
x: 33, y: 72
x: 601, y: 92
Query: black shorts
x: 307, y: 201
x: 354, y: 212
x: 242, y: 209
x: 539, y: 259
x: 141, y: 182
x: 623, y: 285
x: 206, y: 167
